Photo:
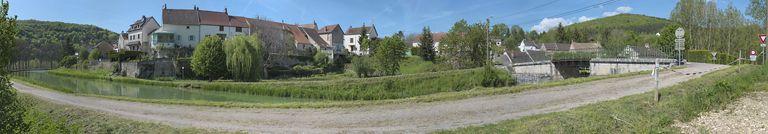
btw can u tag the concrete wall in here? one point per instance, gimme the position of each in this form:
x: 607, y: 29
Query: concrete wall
x: 619, y: 66
x: 548, y: 68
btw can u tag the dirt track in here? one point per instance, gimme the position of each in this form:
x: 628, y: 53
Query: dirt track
x: 395, y: 118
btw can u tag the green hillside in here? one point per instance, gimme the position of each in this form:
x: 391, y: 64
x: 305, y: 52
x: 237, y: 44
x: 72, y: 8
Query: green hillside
x: 630, y: 22
x: 613, y: 32
x: 46, y: 40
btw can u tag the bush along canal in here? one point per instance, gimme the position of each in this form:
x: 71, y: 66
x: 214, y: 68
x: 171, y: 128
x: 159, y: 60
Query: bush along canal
x: 119, y: 89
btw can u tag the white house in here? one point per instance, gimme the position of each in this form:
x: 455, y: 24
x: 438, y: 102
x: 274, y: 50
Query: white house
x: 352, y: 38
x: 138, y: 36
x: 527, y: 45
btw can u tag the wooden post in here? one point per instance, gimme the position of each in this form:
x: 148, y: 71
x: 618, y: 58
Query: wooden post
x: 656, y: 72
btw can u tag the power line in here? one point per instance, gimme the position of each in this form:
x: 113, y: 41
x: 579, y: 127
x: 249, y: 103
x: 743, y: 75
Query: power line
x: 574, y: 11
x: 529, y: 9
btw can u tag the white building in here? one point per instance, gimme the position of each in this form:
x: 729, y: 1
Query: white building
x: 186, y: 28
x: 352, y: 38
x: 138, y: 36
x: 527, y: 45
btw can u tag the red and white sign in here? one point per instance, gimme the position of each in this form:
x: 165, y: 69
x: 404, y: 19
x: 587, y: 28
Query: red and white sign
x: 762, y: 38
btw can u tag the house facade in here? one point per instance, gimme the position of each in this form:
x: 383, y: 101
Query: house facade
x: 138, y: 36
x: 186, y: 28
x: 352, y: 38
x: 334, y: 35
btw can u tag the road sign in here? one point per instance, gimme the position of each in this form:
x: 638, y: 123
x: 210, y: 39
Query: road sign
x: 752, y: 55
x: 679, y: 33
x: 762, y: 38
x: 714, y: 55
x: 679, y: 44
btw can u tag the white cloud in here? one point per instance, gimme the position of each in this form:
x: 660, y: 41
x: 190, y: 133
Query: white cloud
x: 549, y: 23
x: 619, y: 10
x: 585, y: 18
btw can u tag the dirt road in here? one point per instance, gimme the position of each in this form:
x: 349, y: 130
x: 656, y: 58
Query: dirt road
x: 395, y: 118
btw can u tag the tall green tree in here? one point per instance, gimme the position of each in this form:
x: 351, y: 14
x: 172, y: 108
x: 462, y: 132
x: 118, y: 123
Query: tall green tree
x: 389, y: 55
x: 427, y: 45
x: 758, y: 9
x: 11, y: 110
x: 516, y: 35
x: 465, y: 45
x: 500, y: 31
x: 562, y: 34
x: 209, y: 59
x: 245, y: 58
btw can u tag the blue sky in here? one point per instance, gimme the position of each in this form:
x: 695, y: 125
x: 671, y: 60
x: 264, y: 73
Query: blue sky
x: 389, y: 16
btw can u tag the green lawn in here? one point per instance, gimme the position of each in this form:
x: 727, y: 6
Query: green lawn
x: 638, y: 113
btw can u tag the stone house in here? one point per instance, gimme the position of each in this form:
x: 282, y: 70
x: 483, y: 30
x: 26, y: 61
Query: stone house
x: 334, y: 35
x: 138, y: 36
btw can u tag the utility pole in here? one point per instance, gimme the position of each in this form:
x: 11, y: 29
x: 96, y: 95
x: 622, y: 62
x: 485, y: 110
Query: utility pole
x: 487, y: 39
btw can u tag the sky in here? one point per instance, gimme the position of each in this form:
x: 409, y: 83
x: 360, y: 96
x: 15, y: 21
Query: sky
x: 389, y: 16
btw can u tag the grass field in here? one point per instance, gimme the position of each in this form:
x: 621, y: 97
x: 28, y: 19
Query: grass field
x: 639, y: 113
x: 44, y: 117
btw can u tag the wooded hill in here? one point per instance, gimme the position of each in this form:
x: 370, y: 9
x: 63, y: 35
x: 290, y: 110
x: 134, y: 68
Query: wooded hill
x: 632, y: 27
x: 46, y: 40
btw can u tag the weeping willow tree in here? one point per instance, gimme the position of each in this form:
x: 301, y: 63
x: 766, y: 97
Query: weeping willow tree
x: 244, y: 58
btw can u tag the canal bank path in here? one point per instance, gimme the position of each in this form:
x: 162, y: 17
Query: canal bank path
x: 391, y: 118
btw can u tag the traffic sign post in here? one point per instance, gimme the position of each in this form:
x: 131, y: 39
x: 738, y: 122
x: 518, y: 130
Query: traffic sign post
x: 680, y: 44
x: 762, y: 44
x: 752, y: 56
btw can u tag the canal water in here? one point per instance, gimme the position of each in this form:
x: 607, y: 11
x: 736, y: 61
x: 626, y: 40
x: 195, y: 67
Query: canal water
x: 109, y: 88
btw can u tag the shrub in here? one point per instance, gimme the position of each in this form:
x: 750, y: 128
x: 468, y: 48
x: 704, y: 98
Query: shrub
x: 209, y: 59
x: 492, y: 77
x: 68, y: 61
x: 321, y: 59
x: 362, y: 66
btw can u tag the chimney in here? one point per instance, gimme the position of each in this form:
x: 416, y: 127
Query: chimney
x: 225, y: 11
x: 164, y: 6
x: 195, y: 7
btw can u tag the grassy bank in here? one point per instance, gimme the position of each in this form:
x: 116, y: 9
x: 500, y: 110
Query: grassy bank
x: 87, y: 74
x: 443, y: 96
x: 638, y: 113
x: 378, y: 88
x: 45, y: 117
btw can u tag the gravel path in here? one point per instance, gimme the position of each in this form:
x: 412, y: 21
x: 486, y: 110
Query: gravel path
x: 393, y: 118
x: 749, y: 115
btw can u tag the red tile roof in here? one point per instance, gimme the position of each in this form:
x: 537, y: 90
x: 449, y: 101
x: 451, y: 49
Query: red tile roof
x: 200, y: 17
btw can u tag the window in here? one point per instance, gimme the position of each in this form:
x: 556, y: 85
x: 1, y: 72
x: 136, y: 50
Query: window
x: 239, y: 29
x: 353, y: 48
x: 191, y: 38
x: 221, y: 28
x: 187, y: 27
x: 178, y: 37
x: 138, y: 36
x: 351, y: 40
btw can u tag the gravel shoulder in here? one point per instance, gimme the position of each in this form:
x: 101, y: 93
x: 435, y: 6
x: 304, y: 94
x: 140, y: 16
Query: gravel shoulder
x: 748, y: 115
x: 391, y: 118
